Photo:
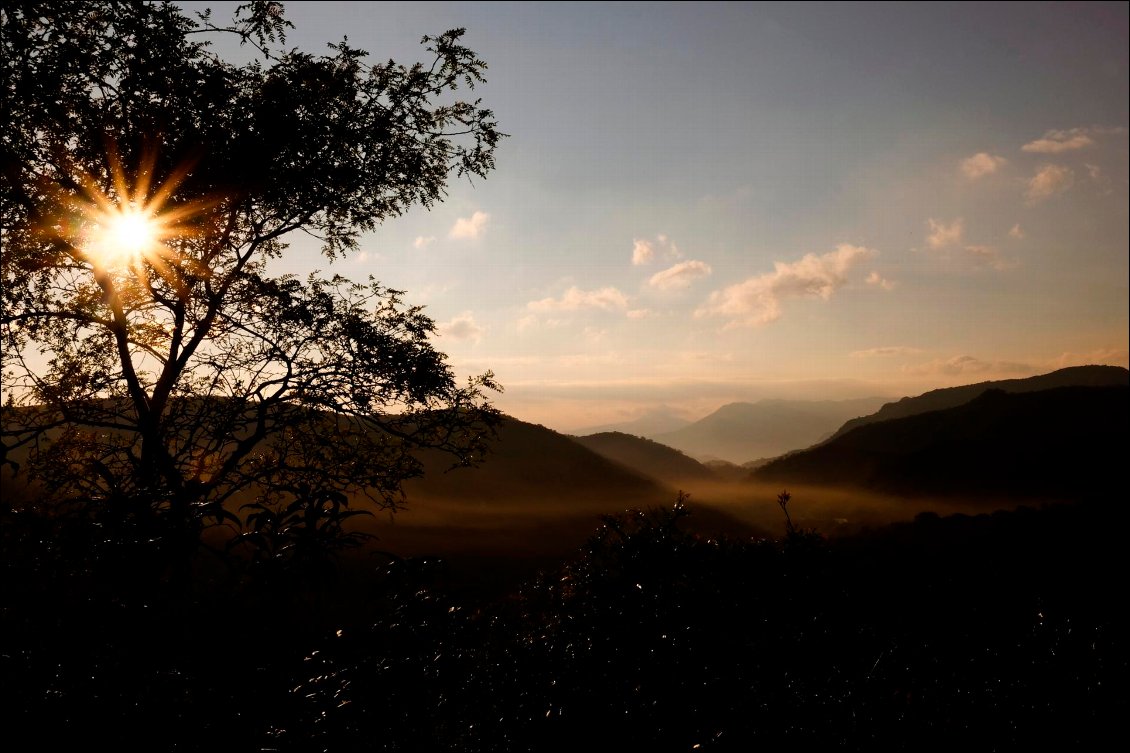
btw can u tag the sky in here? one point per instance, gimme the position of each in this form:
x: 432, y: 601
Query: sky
x: 709, y: 203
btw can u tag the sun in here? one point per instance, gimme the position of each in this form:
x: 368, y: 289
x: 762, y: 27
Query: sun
x: 133, y: 229
x: 123, y: 238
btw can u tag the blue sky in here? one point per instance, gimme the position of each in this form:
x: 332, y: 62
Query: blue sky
x: 705, y: 203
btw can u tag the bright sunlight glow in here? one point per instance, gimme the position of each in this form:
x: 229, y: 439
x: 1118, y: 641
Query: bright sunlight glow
x: 122, y: 239
x: 129, y: 227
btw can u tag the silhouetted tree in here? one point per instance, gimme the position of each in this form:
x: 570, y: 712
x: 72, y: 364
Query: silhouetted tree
x: 152, y: 363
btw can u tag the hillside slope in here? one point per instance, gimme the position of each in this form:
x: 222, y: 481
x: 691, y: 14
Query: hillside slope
x: 532, y: 462
x: 1066, y: 442
x: 648, y: 457
x: 951, y: 397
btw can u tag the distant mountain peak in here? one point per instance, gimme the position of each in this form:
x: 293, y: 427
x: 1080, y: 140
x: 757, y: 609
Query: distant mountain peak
x: 739, y: 432
x: 656, y: 420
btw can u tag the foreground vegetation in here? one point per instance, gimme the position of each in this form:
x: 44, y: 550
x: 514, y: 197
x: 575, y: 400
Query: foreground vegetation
x: 991, y: 631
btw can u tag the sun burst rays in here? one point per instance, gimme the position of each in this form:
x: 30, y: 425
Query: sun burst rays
x: 135, y: 228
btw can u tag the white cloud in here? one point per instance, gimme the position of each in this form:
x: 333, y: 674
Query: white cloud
x: 879, y: 281
x: 645, y: 251
x: 1048, y: 181
x: 1016, y: 232
x: 1094, y: 171
x: 361, y: 257
x: 423, y: 242
x: 942, y: 235
x: 885, y: 351
x: 575, y: 299
x: 639, y: 313
x: 461, y: 327
x: 1054, y: 142
x: 757, y: 300
x: 680, y: 275
x: 470, y: 227
x: 980, y: 164
x: 642, y: 251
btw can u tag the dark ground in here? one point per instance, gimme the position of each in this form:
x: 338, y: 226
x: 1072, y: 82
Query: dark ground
x: 990, y: 632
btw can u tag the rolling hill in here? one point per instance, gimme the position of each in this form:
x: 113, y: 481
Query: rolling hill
x: 538, y: 494
x: 648, y: 457
x: 1067, y: 442
x: 532, y: 462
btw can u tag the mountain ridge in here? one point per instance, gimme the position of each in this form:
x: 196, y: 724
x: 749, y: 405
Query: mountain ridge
x: 950, y: 397
x: 1054, y: 443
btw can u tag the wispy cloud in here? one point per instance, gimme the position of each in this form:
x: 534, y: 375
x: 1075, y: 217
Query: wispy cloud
x: 757, y: 300
x: 885, y: 351
x: 989, y: 256
x: 981, y: 164
x: 470, y: 227
x: 879, y: 281
x: 594, y: 335
x: 966, y: 364
x: 461, y: 327
x: 423, y: 241
x: 1113, y: 356
x: 1055, y: 142
x: 639, y: 313
x: 575, y: 299
x: 1048, y: 181
x: 526, y: 323
x: 645, y: 251
x: 680, y: 275
x: 1016, y: 232
x: 942, y: 235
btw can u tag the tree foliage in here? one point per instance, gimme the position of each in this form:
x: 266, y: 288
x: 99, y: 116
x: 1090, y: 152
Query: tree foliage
x: 169, y: 373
